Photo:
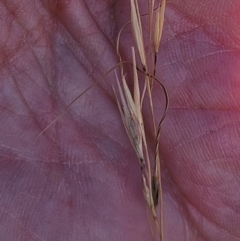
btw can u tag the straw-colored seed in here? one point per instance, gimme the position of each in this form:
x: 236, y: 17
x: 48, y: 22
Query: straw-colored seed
x: 137, y: 31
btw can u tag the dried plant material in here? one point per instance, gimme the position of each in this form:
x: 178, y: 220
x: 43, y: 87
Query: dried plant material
x: 155, y: 187
x: 159, y: 25
x: 137, y: 31
x: 148, y: 197
x: 130, y: 110
x: 130, y: 107
x: 131, y: 123
x: 151, y: 4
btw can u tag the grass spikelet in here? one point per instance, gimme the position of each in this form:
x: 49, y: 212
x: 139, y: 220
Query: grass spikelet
x: 159, y: 25
x: 137, y: 31
x: 131, y: 113
x: 130, y: 110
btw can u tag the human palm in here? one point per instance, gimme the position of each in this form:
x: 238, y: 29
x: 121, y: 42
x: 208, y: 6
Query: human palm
x: 80, y: 179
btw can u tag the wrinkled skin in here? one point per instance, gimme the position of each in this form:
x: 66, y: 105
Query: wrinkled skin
x: 80, y: 179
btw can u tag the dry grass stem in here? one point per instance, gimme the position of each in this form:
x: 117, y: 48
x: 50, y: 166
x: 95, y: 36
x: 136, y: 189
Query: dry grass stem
x: 159, y: 25
x: 130, y: 106
x: 151, y: 4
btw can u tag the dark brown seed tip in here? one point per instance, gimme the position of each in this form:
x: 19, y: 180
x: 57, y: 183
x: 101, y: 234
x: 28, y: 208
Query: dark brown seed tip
x: 155, y: 190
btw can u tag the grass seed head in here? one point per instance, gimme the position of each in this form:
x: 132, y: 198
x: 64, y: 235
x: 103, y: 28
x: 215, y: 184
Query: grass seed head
x: 130, y: 110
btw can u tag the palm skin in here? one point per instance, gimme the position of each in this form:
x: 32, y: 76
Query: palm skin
x: 80, y: 179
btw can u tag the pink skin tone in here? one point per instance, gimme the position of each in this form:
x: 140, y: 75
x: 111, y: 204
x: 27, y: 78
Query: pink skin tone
x: 80, y: 180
